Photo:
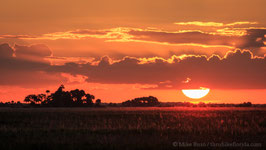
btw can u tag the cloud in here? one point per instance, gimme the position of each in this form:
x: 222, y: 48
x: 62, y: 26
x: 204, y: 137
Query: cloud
x: 244, y: 38
x: 5, y: 51
x: 226, y: 36
x: 194, y: 37
x: 38, y: 50
x: 91, y: 32
x: 241, y: 23
x: 31, y: 79
x: 252, y: 39
x: 21, y: 70
x: 198, y: 23
x: 214, y: 24
x: 238, y: 69
x: 17, y: 36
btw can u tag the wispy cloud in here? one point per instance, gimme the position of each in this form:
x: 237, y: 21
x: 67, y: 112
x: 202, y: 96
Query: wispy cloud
x: 215, y: 24
x: 224, y: 37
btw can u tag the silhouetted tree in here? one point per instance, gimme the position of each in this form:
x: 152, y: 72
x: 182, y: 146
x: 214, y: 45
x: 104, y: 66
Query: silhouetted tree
x: 98, y: 102
x: 31, y: 98
x: 47, y: 92
x: 61, y: 98
x: 142, y: 101
x: 77, y: 96
x: 40, y: 98
x: 245, y: 104
x: 112, y: 104
x: 27, y: 99
x: 89, y: 99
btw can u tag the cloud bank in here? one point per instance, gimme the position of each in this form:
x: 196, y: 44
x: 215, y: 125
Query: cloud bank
x: 238, y: 69
x: 25, y: 66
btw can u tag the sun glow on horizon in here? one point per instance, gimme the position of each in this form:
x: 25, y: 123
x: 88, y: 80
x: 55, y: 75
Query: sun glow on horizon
x: 196, y: 93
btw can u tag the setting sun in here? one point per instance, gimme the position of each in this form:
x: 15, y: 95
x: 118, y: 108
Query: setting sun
x: 196, y: 93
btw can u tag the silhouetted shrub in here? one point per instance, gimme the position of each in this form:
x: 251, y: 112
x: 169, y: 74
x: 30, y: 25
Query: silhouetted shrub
x: 142, y: 101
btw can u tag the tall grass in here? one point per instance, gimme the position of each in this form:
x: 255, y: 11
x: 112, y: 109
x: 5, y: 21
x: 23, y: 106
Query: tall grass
x: 127, y: 128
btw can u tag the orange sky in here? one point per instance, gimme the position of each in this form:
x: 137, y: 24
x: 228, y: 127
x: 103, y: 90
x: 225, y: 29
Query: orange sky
x: 123, y: 49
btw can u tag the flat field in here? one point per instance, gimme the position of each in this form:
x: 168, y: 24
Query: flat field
x: 132, y: 128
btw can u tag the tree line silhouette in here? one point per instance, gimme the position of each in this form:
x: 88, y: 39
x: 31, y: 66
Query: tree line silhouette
x: 61, y: 98
x: 79, y: 98
x: 142, y: 101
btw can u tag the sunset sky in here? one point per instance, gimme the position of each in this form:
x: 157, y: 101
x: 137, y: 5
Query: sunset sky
x: 120, y: 49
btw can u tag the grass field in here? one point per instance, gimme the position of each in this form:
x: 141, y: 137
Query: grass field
x: 131, y: 128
